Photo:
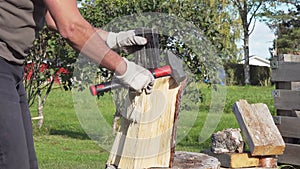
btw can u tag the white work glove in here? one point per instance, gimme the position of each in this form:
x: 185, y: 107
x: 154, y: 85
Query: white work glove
x: 124, y: 39
x: 137, y: 77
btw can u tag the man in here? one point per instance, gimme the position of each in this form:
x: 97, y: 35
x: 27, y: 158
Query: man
x: 19, y: 22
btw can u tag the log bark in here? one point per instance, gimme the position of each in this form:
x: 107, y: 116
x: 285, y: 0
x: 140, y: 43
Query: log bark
x: 144, y: 139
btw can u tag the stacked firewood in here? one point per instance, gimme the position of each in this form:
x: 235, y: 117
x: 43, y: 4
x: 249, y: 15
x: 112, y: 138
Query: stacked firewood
x: 260, y: 134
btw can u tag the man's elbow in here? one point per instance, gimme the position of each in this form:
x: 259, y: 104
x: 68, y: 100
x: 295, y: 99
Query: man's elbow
x: 68, y: 32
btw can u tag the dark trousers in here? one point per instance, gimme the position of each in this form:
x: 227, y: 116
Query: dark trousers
x: 16, y: 141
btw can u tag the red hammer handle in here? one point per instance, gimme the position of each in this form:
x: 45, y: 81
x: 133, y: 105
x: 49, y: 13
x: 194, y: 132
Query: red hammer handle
x: 107, y: 86
x: 161, y: 71
x: 104, y: 87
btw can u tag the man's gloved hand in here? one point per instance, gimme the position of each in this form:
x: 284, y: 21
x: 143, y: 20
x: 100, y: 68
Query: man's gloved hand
x: 137, y: 77
x: 124, y: 39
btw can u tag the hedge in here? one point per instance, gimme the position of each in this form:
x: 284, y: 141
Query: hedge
x: 259, y: 75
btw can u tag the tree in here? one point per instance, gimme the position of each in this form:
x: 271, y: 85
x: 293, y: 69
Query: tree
x: 215, y: 44
x: 48, y: 56
x: 214, y: 18
x: 218, y: 23
x: 283, y: 17
x: 249, y: 12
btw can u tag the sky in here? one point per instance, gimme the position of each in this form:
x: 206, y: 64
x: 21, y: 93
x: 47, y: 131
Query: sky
x: 260, y: 41
x: 262, y: 38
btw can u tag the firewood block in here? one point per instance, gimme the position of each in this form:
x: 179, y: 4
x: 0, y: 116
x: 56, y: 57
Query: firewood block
x: 148, y: 141
x: 259, y: 129
x: 235, y: 160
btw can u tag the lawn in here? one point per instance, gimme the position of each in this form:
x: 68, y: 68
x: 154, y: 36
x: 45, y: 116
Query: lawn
x: 63, y: 143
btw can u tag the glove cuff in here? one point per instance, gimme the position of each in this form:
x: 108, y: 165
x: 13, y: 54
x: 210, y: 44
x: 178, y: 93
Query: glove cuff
x: 111, y: 40
x: 130, y: 69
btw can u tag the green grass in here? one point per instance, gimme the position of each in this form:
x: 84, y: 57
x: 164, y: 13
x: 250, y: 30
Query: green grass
x: 62, y: 142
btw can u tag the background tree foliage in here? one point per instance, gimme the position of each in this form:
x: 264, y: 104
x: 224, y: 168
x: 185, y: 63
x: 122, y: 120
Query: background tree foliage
x: 219, y: 24
x: 283, y: 17
x: 219, y: 27
x: 249, y: 11
x: 49, y: 54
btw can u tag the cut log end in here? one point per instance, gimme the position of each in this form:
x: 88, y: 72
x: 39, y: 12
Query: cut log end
x: 189, y: 160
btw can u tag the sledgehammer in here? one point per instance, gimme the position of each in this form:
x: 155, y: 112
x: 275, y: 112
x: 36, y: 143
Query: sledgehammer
x: 173, y: 69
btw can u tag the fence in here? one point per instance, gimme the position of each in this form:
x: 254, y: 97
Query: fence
x: 286, y: 75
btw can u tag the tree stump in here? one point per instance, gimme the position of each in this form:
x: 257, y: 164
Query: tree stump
x: 189, y: 160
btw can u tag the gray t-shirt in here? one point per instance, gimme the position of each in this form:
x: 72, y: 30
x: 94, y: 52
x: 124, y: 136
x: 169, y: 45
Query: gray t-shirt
x: 19, y: 22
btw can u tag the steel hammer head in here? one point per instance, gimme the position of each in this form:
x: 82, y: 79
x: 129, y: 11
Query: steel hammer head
x: 178, y: 73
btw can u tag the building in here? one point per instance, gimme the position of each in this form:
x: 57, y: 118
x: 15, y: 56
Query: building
x: 257, y: 61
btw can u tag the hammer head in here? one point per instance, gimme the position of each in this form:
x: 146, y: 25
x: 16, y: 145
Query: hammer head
x: 178, y: 73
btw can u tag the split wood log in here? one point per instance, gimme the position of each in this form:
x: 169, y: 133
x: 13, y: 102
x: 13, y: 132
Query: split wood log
x: 227, y: 141
x: 235, y: 160
x: 259, y: 129
x: 148, y: 141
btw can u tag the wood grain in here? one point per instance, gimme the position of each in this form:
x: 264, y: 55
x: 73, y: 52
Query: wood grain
x: 259, y: 129
x: 234, y: 160
x: 147, y: 143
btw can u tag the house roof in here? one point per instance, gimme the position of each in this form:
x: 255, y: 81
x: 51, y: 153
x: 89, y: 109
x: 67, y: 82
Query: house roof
x: 257, y: 61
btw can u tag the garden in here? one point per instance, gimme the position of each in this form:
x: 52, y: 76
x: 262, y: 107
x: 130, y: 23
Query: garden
x: 60, y: 139
x: 62, y: 143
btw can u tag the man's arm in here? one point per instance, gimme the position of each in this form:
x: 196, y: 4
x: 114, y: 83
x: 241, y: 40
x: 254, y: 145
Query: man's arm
x: 64, y: 17
x: 51, y: 24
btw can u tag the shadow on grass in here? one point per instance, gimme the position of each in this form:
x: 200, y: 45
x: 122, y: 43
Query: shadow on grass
x: 71, y: 134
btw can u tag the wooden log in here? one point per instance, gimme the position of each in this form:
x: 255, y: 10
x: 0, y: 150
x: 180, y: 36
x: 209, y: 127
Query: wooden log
x: 259, y: 129
x: 148, y: 141
x: 235, y: 160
